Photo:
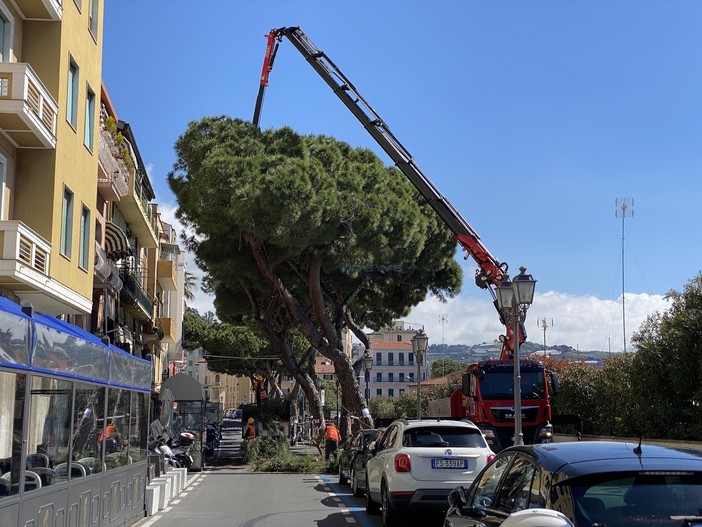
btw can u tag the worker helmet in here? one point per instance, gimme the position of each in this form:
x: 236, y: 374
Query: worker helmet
x: 250, y: 421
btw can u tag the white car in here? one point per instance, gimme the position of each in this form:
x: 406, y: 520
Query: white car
x: 416, y: 464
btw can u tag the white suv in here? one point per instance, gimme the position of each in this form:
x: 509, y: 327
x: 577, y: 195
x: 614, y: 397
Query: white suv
x: 415, y: 464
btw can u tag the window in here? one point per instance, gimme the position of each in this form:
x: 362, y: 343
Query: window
x: 516, y: 487
x: 378, y: 359
x: 67, y: 223
x: 93, y: 17
x: 402, y: 377
x: 84, y: 238
x: 401, y: 359
x: 391, y: 392
x: 411, y: 376
x: 391, y: 377
x: 378, y: 377
x: 399, y: 338
x: 89, y: 119
x: 402, y: 392
x: 391, y: 359
x: 485, y: 488
x: 379, y: 391
x: 72, y: 96
x: 410, y: 359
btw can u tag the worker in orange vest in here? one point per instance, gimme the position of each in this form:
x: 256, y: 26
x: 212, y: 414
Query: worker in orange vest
x: 331, y: 440
x: 249, y: 430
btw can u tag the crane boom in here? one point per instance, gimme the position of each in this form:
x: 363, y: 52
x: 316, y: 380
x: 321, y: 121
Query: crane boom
x: 491, y: 272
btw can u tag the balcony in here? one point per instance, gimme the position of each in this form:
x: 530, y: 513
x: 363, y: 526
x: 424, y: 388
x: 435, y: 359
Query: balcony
x: 139, y: 215
x: 27, y: 109
x: 168, y: 328
x: 25, y: 247
x: 166, y: 275
x: 113, y: 176
x: 24, y: 270
x: 133, y: 297
x: 40, y: 9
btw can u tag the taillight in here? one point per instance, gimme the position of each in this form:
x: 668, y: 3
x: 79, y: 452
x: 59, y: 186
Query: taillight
x: 491, y: 457
x: 402, y: 463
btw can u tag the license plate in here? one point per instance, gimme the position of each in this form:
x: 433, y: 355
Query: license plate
x: 449, y: 463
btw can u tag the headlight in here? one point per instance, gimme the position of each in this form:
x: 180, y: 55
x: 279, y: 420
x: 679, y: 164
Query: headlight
x: 489, y: 434
x: 546, y: 433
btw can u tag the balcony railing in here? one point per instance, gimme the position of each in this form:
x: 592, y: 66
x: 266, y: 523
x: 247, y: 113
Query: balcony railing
x: 132, y: 292
x: 23, y: 245
x: 27, y: 109
x: 40, y: 9
x: 113, y: 180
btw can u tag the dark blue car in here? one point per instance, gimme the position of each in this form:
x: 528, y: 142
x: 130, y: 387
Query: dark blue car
x: 593, y: 483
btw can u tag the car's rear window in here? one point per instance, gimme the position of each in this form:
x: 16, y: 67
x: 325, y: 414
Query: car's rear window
x: 622, y: 500
x: 443, y: 436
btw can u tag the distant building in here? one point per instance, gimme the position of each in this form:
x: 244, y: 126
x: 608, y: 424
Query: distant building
x: 394, y: 366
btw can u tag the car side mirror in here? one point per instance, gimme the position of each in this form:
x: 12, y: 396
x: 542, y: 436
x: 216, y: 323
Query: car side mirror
x: 372, y: 448
x: 457, y: 497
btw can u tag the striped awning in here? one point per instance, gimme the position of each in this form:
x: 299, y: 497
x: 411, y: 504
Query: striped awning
x: 116, y: 242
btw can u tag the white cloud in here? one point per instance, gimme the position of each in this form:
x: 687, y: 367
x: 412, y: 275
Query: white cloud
x: 586, y: 323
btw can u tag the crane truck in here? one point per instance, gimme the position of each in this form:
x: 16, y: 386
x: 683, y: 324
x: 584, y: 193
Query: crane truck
x: 486, y: 395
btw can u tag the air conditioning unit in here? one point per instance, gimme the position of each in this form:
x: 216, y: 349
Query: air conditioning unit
x: 102, y: 266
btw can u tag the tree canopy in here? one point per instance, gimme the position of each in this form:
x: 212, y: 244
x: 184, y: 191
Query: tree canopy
x: 306, y: 232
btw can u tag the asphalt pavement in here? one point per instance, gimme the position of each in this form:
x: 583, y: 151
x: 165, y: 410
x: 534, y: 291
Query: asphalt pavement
x: 226, y: 492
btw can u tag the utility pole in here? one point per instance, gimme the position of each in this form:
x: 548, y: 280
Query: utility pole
x: 443, y: 320
x: 544, y: 325
x: 623, y: 207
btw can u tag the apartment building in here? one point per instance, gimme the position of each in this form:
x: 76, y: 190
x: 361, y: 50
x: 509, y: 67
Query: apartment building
x: 394, y: 366
x: 50, y: 78
x: 80, y: 233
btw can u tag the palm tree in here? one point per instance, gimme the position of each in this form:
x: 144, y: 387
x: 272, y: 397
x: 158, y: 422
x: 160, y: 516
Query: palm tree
x: 189, y: 286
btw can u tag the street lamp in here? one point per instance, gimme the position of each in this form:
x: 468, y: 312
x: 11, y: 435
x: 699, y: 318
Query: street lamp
x: 420, y: 341
x: 367, y: 362
x: 513, y: 300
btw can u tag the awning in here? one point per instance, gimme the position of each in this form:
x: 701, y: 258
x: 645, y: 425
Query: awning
x: 116, y: 242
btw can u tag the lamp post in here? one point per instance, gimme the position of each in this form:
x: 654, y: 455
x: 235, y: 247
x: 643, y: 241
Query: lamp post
x: 420, y: 341
x: 513, y: 300
x: 367, y: 367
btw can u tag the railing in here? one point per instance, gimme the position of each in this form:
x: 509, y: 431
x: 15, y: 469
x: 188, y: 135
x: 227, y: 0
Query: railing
x: 19, y: 82
x: 22, y: 244
x: 116, y: 173
x: 132, y: 287
x: 140, y: 194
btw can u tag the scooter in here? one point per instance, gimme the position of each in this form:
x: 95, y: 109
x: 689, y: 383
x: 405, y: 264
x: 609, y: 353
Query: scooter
x: 181, y: 450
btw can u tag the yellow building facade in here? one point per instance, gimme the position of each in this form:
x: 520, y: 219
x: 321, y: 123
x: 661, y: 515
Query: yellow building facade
x: 50, y: 78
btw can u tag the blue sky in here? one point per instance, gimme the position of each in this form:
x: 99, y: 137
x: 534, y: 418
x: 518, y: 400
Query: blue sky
x: 530, y: 117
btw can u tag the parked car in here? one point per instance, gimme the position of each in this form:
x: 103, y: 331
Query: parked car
x: 357, y: 475
x: 349, y: 450
x: 616, y: 484
x: 417, y: 463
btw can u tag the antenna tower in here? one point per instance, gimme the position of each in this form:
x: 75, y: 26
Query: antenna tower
x: 624, y: 207
x: 543, y: 324
x: 443, y: 320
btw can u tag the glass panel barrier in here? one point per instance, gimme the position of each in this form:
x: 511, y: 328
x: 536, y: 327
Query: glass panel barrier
x: 88, y: 421
x: 12, y: 387
x: 115, y: 437
x: 48, y: 434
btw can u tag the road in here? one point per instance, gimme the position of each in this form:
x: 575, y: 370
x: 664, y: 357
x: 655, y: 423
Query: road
x: 232, y: 495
